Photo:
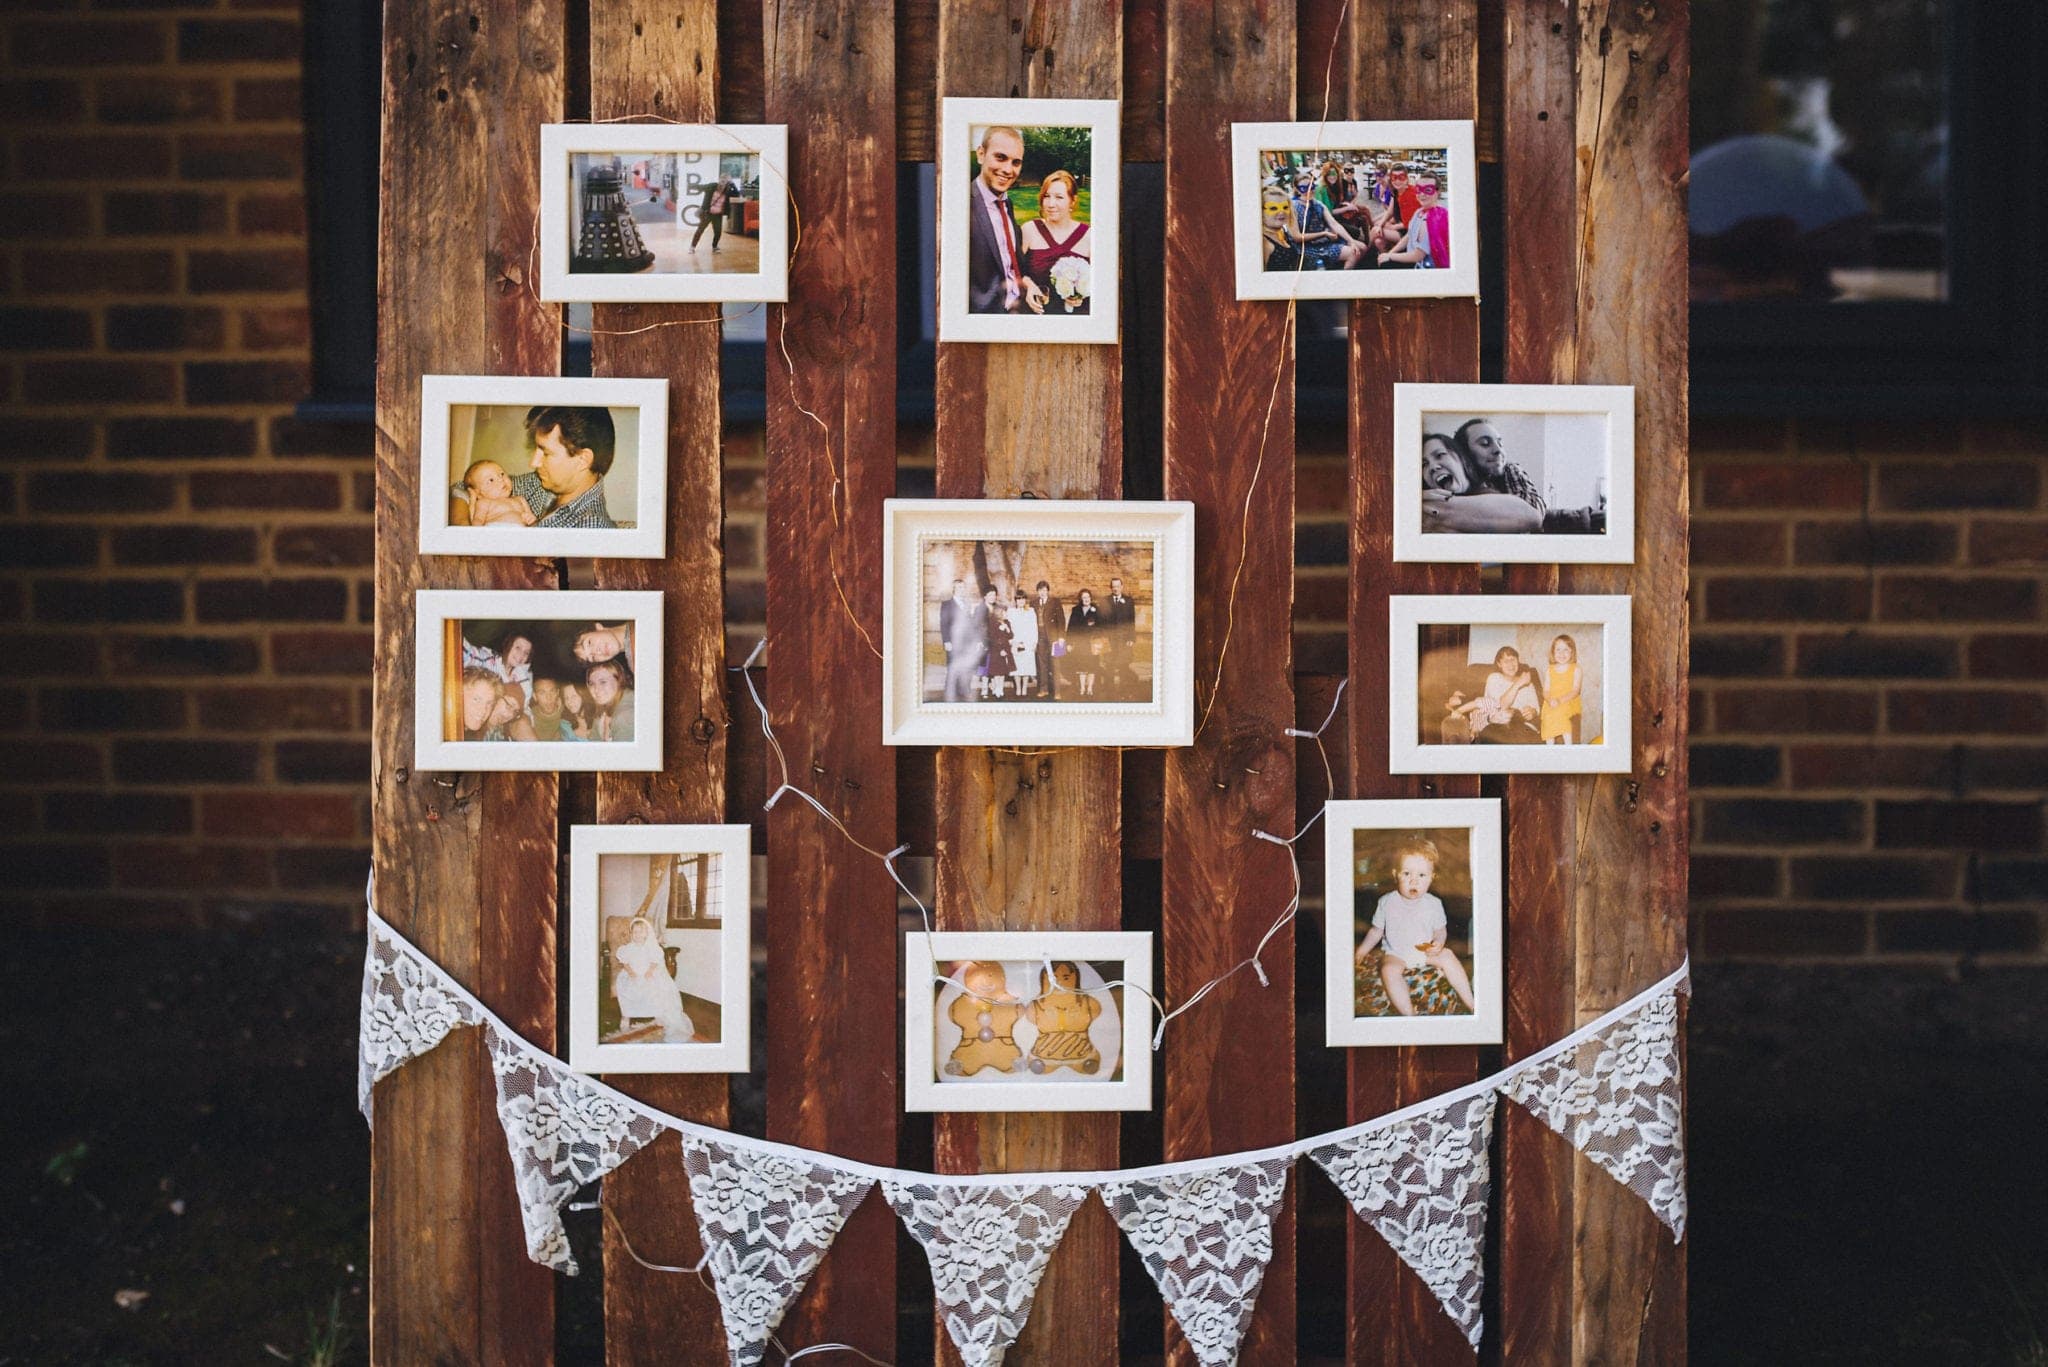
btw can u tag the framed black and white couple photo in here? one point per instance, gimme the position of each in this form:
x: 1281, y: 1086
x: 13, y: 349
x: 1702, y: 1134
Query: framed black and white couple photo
x: 1037, y: 622
x: 1028, y: 220
x: 1515, y: 473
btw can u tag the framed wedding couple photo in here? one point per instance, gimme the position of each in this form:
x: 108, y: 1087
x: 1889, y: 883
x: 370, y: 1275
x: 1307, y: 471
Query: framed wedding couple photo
x: 658, y: 939
x: 539, y: 465
x: 1509, y: 684
x: 664, y: 213
x: 1037, y: 622
x: 1028, y: 220
x: 1355, y: 210
x: 533, y: 679
x: 1514, y: 473
x: 1027, y: 1021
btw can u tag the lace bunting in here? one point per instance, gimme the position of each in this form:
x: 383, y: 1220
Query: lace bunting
x: 1616, y: 1097
x: 1206, y: 1238
x: 1422, y: 1184
x: 405, y: 1011
x: 988, y: 1248
x: 766, y: 1220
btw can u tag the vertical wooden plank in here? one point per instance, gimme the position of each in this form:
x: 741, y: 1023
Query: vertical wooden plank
x: 1032, y: 841
x: 651, y: 62
x: 1410, y: 59
x: 829, y: 74
x: 1229, y: 448
x: 465, y: 863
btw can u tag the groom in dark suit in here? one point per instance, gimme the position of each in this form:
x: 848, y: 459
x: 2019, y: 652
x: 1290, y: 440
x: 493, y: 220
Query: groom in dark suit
x: 995, y: 275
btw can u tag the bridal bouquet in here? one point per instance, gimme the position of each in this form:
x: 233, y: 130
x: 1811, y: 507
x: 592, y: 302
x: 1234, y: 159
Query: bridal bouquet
x: 1072, y: 278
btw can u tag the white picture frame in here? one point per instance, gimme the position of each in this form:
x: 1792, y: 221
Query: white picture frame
x: 960, y: 124
x: 1163, y: 530
x: 926, y: 1025
x: 433, y: 609
x: 1540, y: 614
x: 646, y: 538
x: 559, y: 223
x: 729, y: 1053
x: 1249, y: 141
x: 1605, y: 413
x: 1480, y: 819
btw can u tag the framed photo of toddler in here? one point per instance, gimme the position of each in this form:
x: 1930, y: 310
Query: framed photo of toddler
x: 1509, y: 684
x: 1355, y: 210
x: 523, y: 679
x: 1412, y: 901
x: 1027, y: 1021
x: 658, y: 949
x: 1037, y: 622
x: 664, y: 213
x: 1517, y: 473
x: 541, y: 465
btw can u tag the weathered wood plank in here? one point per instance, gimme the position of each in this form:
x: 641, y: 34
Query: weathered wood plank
x: 831, y: 932
x: 1229, y: 449
x: 649, y: 61
x: 465, y: 863
x: 1031, y: 841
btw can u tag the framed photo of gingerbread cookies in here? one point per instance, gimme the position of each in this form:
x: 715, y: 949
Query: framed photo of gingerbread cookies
x: 1027, y: 1021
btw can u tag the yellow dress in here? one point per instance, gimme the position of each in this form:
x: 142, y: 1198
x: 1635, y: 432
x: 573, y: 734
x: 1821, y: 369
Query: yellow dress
x: 1557, y: 716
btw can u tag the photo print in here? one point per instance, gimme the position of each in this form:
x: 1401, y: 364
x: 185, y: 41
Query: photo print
x: 1027, y: 1021
x: 658, y: 946
x: 1354, y: 210
x: 1413, y: 906
x: 1514, y: 473
x: 1028, y: 221
x: 518, y: 679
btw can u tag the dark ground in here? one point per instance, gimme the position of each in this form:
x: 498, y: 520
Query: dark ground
x: 1869, y: 1171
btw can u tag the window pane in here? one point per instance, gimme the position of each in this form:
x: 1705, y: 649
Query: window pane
x: 1820, y: 150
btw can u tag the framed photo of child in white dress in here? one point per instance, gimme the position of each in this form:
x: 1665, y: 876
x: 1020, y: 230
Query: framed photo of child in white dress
x: 1412, y: 901
x: 1027, y: 1021
x: 658, y: 938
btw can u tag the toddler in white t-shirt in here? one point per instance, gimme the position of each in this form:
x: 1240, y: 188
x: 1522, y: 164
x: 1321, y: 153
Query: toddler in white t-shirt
x: 1410, y: 927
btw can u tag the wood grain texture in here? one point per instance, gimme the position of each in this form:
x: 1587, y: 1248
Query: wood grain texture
x: 649, y: 60
x: 1229, y: 449
x: 465, y: 863
x: 831, y: 935
x: 1032, y: 841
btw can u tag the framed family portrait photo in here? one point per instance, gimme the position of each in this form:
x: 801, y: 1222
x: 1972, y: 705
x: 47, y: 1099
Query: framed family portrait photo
x: 1412, y: 901
x: 1355, y: 210
x: 1509, y: 684
x: 1027, y: 1021
x: 519, y: 679
x: 1037, y: 622
x: 1028, y: 220
x: 664, y: 213
x: 658, y: 939
x: 543, y: 466
x: 1514, y: 473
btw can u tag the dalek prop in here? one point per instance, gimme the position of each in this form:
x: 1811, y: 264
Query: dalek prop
x: 609, y: 240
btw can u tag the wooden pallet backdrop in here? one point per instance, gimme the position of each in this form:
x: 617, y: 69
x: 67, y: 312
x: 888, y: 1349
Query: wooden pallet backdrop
x: 1583, y: 107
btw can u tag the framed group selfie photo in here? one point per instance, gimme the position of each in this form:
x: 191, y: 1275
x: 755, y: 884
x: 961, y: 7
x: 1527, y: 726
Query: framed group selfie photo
x: 664, y: 213
x: 1514, y: 473
x: 1352, y: 209
x: 1509, y: 684
x: 658, y: 939
x: 1412, y: 901
x: 1027, y: 208
x: 543, y: 465
x: 1037, y: 622
x: 534, y: 679
x: 1027, y: 1021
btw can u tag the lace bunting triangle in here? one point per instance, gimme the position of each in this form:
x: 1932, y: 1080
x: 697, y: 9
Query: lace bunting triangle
x: 988, y: 1247
x: 1422, y: 1184
x: 766, y: 1220
x: 1616, y: 1097
x: 405, y: 1012
x: 563, y: 1132
x: 1206, y: 1238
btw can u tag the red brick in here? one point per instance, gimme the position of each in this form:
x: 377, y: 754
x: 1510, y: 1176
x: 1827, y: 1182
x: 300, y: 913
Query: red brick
x: 277, y: 816
x: 2007, y: 827
x: 326, y: 546
x: 163, y: 762
x: 743, y: 547
x: 2021, y: 436
x: 97, y: 272
x: 287, y: 329
x: 1874, y: 877
x: 2006, y: 768
x: 1783, y: 932
x: 271, y: 600
x: 1757, y: 543
x: 258, y: 710
x: 1727, y: 655
x: 259, y: 214
x: 50, y: 548
x: 86, y: 813
x: 315, y: 867
x: 1792, y: 484
x: 92, y: 491
x: 41, y: 101
x: 246, y: 272
x: 150, y: 212
x: 54, y: 761
x: 44, y: 865
x: 1875, y: 543
x: 1878, y: 765
x: 321, y: 652
x: 1873, y: 436
x: 89, y: 382
x: 181, y: 655
x: 190, y: 867
x: 305, y: 490
x: 180, y: 438
x: 241, y: 156
x: 44, y: 216
x: 153, y: 100
x: 1978, y: 598
x: 65, y: 707
x: 2009, y: 655
x: 44, y: 329
x: 244, y: 382
x: 1929, y: 486
x: 59, y: 654
x: 1734, y: 875
x: 2009, y: 543
x: 271, y: 100
x: 1782, y: 821
x: 323, y: 761
x: 1866, y: 655
x: 164, y: 327
x: 1714, y: 435
x: 1322, y: 487
x: 238, y: 40
x: 39, y: 43
x: 1948, y: 931
x: 1954, y: 711
x: 161, y: 544
x: 298, y: 437
x: 1798, y: 711
x: 746, y: 600
x: 1803, y: 598
x: 2012, y: 880
x: 110, y: 600
x: 93, y: 156
x: 1734, y: 766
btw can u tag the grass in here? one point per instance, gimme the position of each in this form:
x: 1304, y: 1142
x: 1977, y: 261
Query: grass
x: 1024, y: 203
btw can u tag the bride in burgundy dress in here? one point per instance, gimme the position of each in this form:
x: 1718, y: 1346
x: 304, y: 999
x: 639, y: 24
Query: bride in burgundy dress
x: 1053, y: 237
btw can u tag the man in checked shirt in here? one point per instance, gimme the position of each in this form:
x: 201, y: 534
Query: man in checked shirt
x: 572, y: 449
x: 1489, y: 467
